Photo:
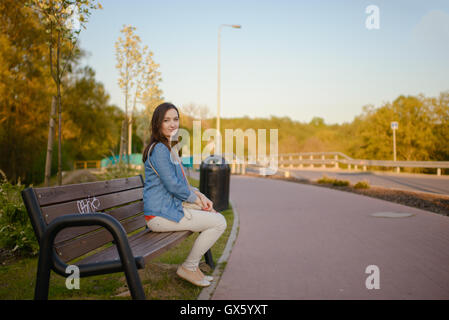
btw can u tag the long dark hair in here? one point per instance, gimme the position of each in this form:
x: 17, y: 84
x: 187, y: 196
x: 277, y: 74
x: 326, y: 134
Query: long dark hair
x: 156, y: 124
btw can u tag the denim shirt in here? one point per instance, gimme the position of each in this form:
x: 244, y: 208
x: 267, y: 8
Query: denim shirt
x: 163, y: 195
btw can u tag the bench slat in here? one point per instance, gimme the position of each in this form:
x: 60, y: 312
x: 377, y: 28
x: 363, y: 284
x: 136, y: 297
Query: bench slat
x: 80, y: 246
x: 111, y: 253
x: 118, y: 213
x: 150, y: 252
x: 94, y: 204
x: 52, y: 195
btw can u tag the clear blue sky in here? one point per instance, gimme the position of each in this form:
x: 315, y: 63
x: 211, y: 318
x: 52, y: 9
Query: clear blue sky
x: 291, y: 58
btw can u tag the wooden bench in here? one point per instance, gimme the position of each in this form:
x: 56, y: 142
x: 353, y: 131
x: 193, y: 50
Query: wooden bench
x: 72, y: 221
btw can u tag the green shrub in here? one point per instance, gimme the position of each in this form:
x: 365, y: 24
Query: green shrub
x: 334, y: 182
x: 325, y: 180
x: 16, y: 231
x: 341, y: 183
x: 362, y: 185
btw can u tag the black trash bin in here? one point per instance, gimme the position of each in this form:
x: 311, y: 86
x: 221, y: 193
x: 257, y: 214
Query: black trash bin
x: 214, y: 181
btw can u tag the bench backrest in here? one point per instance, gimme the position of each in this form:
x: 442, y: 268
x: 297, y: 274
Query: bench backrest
x: 121, y: 198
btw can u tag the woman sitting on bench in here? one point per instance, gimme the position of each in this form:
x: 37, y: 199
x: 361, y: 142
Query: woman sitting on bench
x: 170, y: 203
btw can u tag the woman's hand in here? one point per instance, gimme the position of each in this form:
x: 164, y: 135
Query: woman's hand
x: 199, y: 202
x: 205, y: 203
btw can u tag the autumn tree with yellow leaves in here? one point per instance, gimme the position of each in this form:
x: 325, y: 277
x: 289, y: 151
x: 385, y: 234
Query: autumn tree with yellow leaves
x: 62, y: 21
x: 139, y: 80
x: 91, y: 123
x: 23, y: 88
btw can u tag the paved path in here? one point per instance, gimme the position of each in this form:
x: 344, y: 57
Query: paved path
x: 305, y: 242
x: 412, y: 182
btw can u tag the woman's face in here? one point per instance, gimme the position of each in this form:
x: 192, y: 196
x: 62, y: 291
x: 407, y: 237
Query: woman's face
x: 170, y: 124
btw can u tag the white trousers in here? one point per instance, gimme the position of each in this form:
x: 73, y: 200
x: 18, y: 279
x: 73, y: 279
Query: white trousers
x: 211, y: 226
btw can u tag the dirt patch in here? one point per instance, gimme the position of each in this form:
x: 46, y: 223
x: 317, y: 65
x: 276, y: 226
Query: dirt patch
x: 8, y: 257
x: 79, y: 176
x: 434, y: 203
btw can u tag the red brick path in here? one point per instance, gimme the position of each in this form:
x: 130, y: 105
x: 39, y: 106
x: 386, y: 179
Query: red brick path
x: 305, y: 242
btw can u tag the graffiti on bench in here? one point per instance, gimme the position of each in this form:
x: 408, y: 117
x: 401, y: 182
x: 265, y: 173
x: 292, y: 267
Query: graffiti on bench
x: 89, y: 205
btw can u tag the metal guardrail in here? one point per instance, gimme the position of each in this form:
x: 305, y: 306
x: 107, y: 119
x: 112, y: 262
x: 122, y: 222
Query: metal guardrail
x: 403, y: 164
x: 320, y: 154
x: 89, y: 164
x: 308, y: 158
x: 336, y: 160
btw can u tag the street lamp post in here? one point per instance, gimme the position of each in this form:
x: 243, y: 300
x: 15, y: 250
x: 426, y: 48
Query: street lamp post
x: 218, y: 81
x: 394, y: 126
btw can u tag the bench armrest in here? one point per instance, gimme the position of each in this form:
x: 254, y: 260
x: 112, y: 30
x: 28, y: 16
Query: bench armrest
x: 49, y: 259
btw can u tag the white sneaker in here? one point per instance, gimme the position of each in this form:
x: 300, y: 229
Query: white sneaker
x: 194, y: 277
x: 208, y: 278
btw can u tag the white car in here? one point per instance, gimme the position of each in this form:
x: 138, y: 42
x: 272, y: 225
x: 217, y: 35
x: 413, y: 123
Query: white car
x: 267, y: 171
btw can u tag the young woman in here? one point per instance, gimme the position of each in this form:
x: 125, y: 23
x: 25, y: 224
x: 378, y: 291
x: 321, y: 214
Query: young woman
x: 168, y: 197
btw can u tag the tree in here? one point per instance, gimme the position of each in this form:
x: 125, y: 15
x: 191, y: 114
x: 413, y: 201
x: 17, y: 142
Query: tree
x: 196, y: 112
x: 57, y: 17
x: 317, y: 122
x: 440, y: 120
x: 24, y: 93
x: 143, y: 117
x: 92, y: 124
x: 139, y: 80
x: 127, y: 51
x: 414, y: 138
x: 147, y: 88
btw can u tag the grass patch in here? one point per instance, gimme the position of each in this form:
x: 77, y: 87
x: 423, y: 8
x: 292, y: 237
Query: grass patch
x: 18, y: 275
x: 19, y: 278
x: 159, y: 277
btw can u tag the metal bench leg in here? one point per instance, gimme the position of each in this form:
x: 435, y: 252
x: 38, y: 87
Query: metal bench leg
x: 209, y: 259
x: 112, y: 225
x: 43, y: 273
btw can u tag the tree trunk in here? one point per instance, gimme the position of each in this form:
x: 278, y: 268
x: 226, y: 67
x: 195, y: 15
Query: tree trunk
x: 59, y: 137
x: 122, y: 139
x: 144, y: 139
x: 51, y: 134
x: 130, y: 137
x: 130, y: 134
x: 130, y: 124
x: 58, y: 87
